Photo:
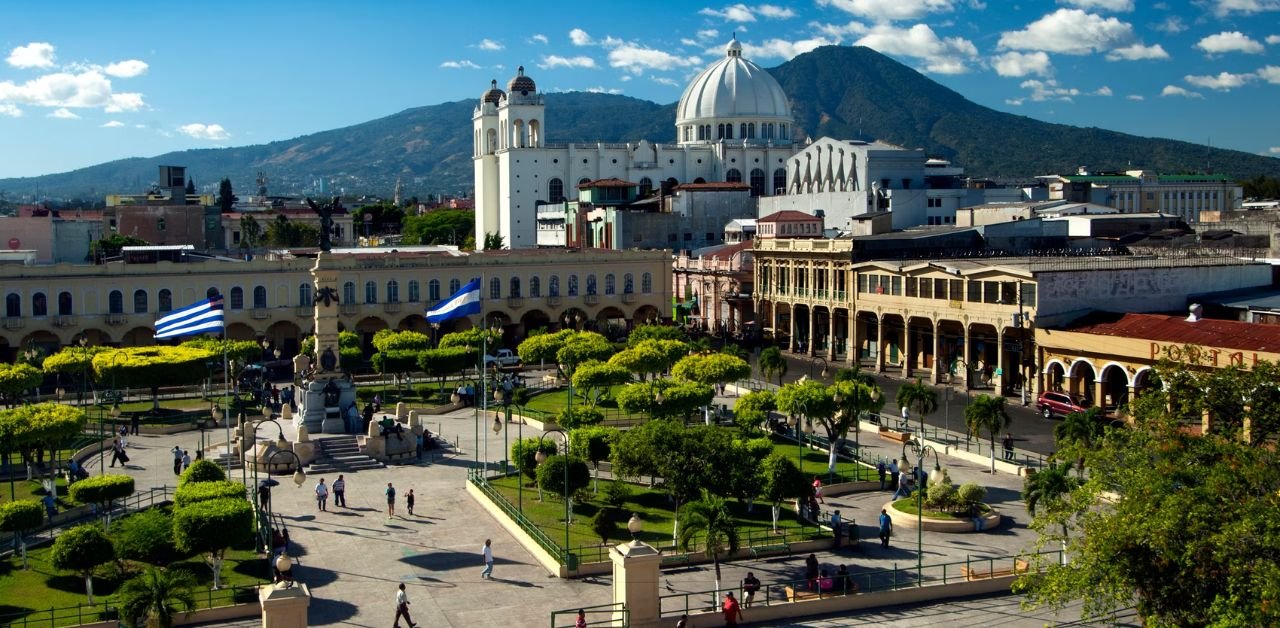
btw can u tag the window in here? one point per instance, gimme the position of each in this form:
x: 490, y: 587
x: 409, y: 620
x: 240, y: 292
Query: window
x: 573, y: 285
x: 433, y: 290
x: 926, y: 288
x: 259, y: 297
x: 64, y: 304
x: 779, y: 180
x: 628, y: 284
x: 863, y: 285
x: 591, y: 284
x: 1009, y: 292
x: 12, y: 305
x: 212, y: 292
x: 393, y: 291
x: 415, y: 291
x: 370, y: 292
x: 237, y: 298
x: 555, y: 190
x: 454, y: 286
x: 304, y: 294
x: 160, y: 224
x: 535, y: 287
x: 906, y: 184
x: 913, y: 287
x: 139, y: 301
x: 990, y: 292
x: 609, y: 284
x: 40, y: 305
x: 495, y: 288
x: 349, y: 293
x: 956, y: 288
x: 711, y: 237
x: 165, y: 300
x: 515, y: 287
x: 733, y: 176
x: 646, y: 283
x: 553, y: 289
x: 975, y: 292
x: 757, y: 182
x: 895, y: 286
x: 1029, y: 294
x: 646, y: 184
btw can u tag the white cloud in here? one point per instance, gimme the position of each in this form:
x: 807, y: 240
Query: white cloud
x: 112, y: 124
x: 708, y: 34
x: 1269, y: 73
x: 1137, y: 52
x: 36, y: 54
x: 1171, y: 25
x: 489, y: 44
x: 126, y: 69
x: 775, y: 12
x: 1137, y: 97
x: 10, y: 110
x: 1015, y: 63
x: 602, y: 90
x: 62, y: 89
x: 1274, y: 150
x: 1069, y: 31
x: 636, y: 59
x: 580, y: 37
x: 1223, y: 82
x: 127, y: 101
x: 1229, y: 41
x: 540, y: 38
x: 1273, y: 40
x: 460, y: 64
x: 1174, y: 90
x: 890, y: 10
x: 204, y: 131
x: 1016, y: 102
x: 1102, y: 91
x: 557, y: 61
x: 1224, y: 8
x: 1119, y: 6
x: 782, y: 48
x: 663, y: 80
x: 63, y: 114
x: 1048, y: 90
x: 948, y: 55
x: 734, y: 13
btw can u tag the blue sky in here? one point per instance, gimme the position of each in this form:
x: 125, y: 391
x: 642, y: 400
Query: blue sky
x: 85, y: 82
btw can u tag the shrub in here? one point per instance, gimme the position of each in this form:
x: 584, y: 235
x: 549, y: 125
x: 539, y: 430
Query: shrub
x: 970, y: 495
x: 616, y: 494
x: 552, y: 475
x: 582, y: 416
x: 101, y: 489
x: 80, y: 549
x: 194, y: 492
x: 365, y: 394
x: 146, y: 536
x: 605, y: 524
x: 21, y: 515
x: 202, y: 471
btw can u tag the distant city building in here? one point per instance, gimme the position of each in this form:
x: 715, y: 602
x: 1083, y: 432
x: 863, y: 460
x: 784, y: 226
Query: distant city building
x: 1143, y: 191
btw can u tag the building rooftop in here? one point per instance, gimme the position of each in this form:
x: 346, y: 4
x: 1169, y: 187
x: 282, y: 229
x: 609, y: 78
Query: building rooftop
x: 788, y: 215
x: 612, y: 182
x: 1178, y: 330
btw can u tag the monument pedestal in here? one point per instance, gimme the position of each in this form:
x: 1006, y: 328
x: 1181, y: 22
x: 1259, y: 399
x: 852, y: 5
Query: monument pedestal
x: 284, y: 608
x: 315, y: 416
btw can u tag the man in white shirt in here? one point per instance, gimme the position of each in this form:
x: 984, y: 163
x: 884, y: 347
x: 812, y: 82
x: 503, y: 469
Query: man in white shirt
x: 402, y: 607
x: 322, y: 495
x: 177, y: 459
x: 487, y: 551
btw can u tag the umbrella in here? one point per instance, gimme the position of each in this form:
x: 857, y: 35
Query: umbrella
x: 269, y: 482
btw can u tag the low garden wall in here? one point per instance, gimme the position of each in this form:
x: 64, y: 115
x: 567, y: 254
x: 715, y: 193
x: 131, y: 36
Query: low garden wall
x: 990, y: 520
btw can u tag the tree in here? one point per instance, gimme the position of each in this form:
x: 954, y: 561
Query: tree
x: 1049, y: 488
x: 594, y: 379
x: 238, y: 351
x: 813, y: 400
x: 195, y: 492
x: 493, y: 241
x: 781, y: 480
x: 772, y: 363
x: 250, y: 232
x: 752, y: 410
x: 226, y: 196
x: 665, y: 398
x: 645, y: 332
x: 350, y: 352
x: 146, y: 536
x: 919, y: 397
x: 17, y: 379
x: 651, y: 357
x: 443, y: 362
x: 1077, y: 433
x: 574, y: 418
x: 283, y: 232
x: 582, y: 347
x: 542, y: 347
x: 525, y: 455
x: 81, y: 549
x: 211, y: 527
x: 202, y: 470
x: 987, y: 413
x: 594, y: 444
x: 102, y: 490
x: 72, y: 362
x: 710, y: 517
x: 112, y: 246
x: 553, y: 475
x: 476, y: 337
x: 152, y: 367
x: 441, y: 226
x: 401, y: 340
x: 39, y: 427
x: 155, y: 595
x: 191, y: 186
x: 669, y: 450
x: 604, y: 523
x: 17, y: 518
x: 711, y: 369
x: 397, y: 362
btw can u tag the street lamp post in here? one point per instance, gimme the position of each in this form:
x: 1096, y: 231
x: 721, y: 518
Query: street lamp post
x: 795, y: 422
x: 921, y: 452
x: 299, y: 477
x: 541, y: 457
x: 814, y: 362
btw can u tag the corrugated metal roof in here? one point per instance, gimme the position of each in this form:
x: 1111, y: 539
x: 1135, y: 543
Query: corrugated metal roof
x: 1178, y: 330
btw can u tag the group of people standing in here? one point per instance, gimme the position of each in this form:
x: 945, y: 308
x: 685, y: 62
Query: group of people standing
x: 339, y: 490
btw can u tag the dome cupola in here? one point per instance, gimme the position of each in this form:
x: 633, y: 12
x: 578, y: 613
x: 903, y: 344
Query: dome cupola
x: 734, y: 99
x: 493, y: 94
x: 521, y: 84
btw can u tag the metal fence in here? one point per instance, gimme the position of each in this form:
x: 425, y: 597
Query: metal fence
x: 107, y: 611
x: 613, y: 615
x: 562, y: 555
x: 140, y: 500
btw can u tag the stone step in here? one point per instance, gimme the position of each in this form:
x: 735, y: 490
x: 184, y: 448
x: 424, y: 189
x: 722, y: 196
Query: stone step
x: 318, y: 467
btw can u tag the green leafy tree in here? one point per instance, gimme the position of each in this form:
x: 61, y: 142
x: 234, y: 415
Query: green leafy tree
x: 711, y: 369
x: 810, y: 400
x: 146, y: 536
x: 40, y: 427
x: 645, y: 332
x: 709, y: 518
x: 780, y: 481
x: 476, y: 338
x: 553, y: 475
x: 17, y: 379
x: 200, y: 491
x: 542, y: 348
x: 604, y: 523
x: 285, y: 232
x: 752, y: 410
x: 226, y: 196
x: 112, y: 246
x: 211, y: 527
x: 669, y: 450
x: 493, y: 242
x: 524, y: 453
x: 202, y: 470
x: 647, y: 359
x: 102, y: 490
x: 738, y: 472
x: 152, y: 597
x: 238, y: 351
x: 1077, y: 434
x: 594, y: 444
x: 74, y: 362
x: 574, y: 418
x: 582, y: 347
x: 1048, y: 489
x: 250, y: 232
x: 919, y: 397
x: 401, y: 340
x: 665, y: 398
x: 18, y: 518
x: 987, y: 413
x: 81, y: 549
x: 447, y: 361
x: 772, y: 363
x: 350, y: 351
x: 441, y: 226
x: 398, y: 362
x: 594, y: 379
x: 191, y: 186
x: 152, y: 367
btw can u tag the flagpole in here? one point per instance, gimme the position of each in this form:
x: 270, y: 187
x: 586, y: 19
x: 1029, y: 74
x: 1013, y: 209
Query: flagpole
x: 484, y: 350
x: 225, y: 385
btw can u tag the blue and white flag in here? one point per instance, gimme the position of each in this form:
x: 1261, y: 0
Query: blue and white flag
x: 463, y: 303
x: 199, y: 318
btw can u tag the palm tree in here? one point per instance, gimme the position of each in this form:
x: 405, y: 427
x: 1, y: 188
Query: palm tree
x: 152, y: 598
x: 1050, y: 487
x: 987, y: 413
x: 710, y: 517
x: 1078, y: 432
x: 771, y: 362
x: 920, y: 398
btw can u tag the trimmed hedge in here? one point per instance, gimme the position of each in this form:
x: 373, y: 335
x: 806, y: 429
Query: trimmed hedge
x: 22, y: 515
x: 101, y: 489
x: 202, y: 470
x: 195, y: 492
x: 212, y: 526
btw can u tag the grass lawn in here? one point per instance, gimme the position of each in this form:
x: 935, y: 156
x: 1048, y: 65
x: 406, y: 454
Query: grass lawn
x: 815, y: 463
x: 652, y: 506
x: 908, y: 505
x: 33, y: 489
x: 551, y: 402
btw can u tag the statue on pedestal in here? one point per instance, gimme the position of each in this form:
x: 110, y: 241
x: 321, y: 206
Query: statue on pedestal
x: 325, y: 212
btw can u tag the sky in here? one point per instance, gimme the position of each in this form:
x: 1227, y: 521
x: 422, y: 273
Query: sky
x: 83, y: 82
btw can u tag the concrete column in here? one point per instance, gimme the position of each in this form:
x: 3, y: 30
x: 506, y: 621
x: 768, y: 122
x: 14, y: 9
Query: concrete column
x: 1099, y: 393
x: 831, y: 336
x: 968, y: 355
x: 937, y: 358
x: 852, y: 338
x: 635, y: 582
x: 813, y: 327
x: 907, y: 355
x: 998, y: 380
x: 284, y: 608
x: 879, y: 344
x: 791, y: 337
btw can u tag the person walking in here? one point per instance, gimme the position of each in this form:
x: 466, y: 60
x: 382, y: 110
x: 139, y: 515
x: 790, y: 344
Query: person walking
x: 402, y: 607
x: 836, y: 530
x: 50, y: 505
x: 340, y: 492
x: 893, y: 474
x: 732, y: 612
x: 486, y: 552
x: 391, y: 501
x: 750, y: 585
x: 811, y: 570
x: 135, y: 424
x: 124, y: 436
x: 186, y: 459
x: 886, y: 527
x: 880, y: 470
x: 817, y: 490
x: 581, y: 621
x: 117, y: 453
x: 1008, y: 446
x: 408, y: 501
x: 177, y: 459
x: 322, y: 495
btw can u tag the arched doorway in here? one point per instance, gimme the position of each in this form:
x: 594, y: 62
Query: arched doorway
x: 1115, y: 387
x: 414, y: 322
x: 285, y: 336
x: 96, y: 337
x: 1055, y: 375
x: 646, y: 315
x: 366, y: 328
x: 612, y: 323
x: 1080, y: 379
x: 142, y: 337
x: 241, y: 331
x: 533, y: 320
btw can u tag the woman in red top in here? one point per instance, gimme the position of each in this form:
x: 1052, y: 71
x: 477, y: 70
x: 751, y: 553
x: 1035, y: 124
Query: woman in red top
x: 817, y: 489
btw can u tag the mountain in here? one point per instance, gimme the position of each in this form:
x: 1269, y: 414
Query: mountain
x: 843, y: 92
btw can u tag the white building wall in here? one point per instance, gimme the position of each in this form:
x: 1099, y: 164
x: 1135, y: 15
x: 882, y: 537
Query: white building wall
x: 1061, y: 294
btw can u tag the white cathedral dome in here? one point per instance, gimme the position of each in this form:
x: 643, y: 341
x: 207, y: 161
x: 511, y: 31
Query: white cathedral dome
x: 736, y: 93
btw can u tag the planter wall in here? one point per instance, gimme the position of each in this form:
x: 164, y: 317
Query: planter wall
x: 948, y: 526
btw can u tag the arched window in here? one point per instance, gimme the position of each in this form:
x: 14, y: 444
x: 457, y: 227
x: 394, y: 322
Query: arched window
x: 64, y: 304
x: 304, y: 295
x: 12, y: 306
x: 535, y: 287
x: 415, y: 292
x: 553, y: 289
x: 733, y: 176
x: 628, y: 283
x: 609, y: 284
x: 719, y: 131
x: 757, y: 182
x: 742, y: 130
x: 751, y: 130
x: 349, y: 293
x: 646, y: 186
x: 495, y: 288
x: 728, y: 131
x: 139, y: 301
x: 699, y: 180
x: 779, y: 181
x: 370, y: 292
x: 164, y: 300
x: 115, y: 302
x: 237, y: 298
x: 591, y: 284
x: 646, y: 283
x: 555, y: 190
x: 583, y: 180
x: 454, y: 285
x: 259, y: 297
x: 433, y: 290
x: 515, y: 288
x: 211, y: 292
x: 573, y: 285
x: 393, y: 291
x: 40, y: 305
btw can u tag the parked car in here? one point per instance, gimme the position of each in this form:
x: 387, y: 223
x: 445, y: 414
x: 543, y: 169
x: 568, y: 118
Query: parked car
x: 504, y: 358
x: 1058, y: 403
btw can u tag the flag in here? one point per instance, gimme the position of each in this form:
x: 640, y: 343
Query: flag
x: 197, y: 318
x: 463, y: 303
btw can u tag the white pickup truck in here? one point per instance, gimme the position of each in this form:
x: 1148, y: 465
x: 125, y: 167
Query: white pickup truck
x: 504, y: 358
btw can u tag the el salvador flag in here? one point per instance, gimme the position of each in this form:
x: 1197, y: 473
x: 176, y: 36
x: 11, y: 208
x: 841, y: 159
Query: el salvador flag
x: 195, y: 319
x: 463, y: 303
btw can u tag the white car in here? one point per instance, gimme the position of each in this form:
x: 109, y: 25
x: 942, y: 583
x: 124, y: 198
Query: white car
x: 504, y: 358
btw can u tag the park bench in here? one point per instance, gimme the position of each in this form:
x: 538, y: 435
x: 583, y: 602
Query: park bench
x: 901, y: 437
x: 674, y: 559
x: 757, y: 550
x: 985, y: 571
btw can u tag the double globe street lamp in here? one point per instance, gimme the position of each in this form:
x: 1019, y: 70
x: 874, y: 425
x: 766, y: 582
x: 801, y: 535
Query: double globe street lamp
x: 921, y: 452
x: 541, y: 457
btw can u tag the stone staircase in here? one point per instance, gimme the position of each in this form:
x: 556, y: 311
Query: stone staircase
x: 223, y: 458
x: 341, y: 454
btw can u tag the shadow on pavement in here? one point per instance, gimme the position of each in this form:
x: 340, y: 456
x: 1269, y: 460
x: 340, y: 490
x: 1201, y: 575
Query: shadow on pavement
x: 448, y: 561
x: 323, y: 611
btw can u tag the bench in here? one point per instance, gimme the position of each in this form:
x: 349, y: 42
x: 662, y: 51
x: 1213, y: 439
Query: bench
x: 985, y: 572
x: 757, y: 550
x: 900, y: 437
x: 799, y: 596
x: 675, y: 559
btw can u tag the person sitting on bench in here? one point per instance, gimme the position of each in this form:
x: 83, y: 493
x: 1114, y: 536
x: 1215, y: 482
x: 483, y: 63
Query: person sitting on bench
x: 391, y: 426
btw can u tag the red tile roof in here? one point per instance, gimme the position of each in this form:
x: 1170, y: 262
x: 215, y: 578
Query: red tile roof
x: 1177, y: 330
x: 789, y: 215
x: 733, y: 249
